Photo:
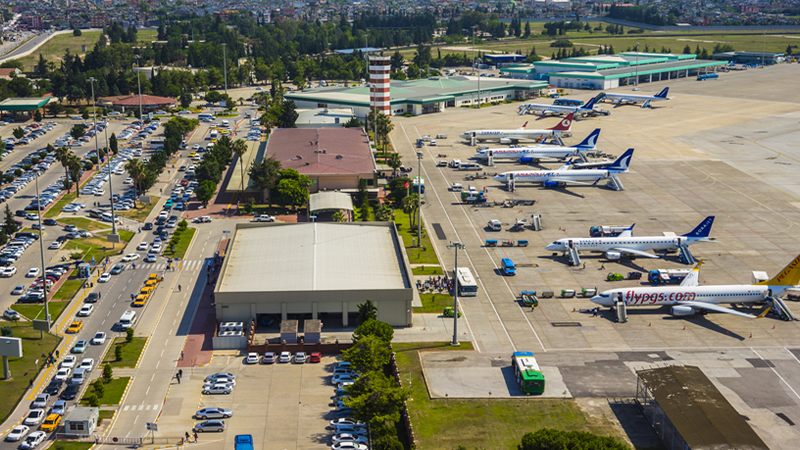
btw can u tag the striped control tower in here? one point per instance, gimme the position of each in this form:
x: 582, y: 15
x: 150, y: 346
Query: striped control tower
x: 379, y: 67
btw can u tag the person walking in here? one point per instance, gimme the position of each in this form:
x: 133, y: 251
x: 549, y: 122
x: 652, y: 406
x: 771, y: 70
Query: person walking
x: 195, y: 436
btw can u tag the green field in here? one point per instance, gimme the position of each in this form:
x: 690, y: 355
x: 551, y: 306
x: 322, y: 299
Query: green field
x: 70, y: 287
x: 183, y: 244
x: 141, y: 211
x: 482, y: 423
x: 416, y: 255
x: 98, y: 247
x: 54, y: 49
x: 434, y: 303
x: 112, y: 394
x: 130, y: 352
x: 34, y: 312
x: 55, y: 210
x: 70, y: 445
x: 23, y: 370
x: 427, y: 270
x: 84, y: 223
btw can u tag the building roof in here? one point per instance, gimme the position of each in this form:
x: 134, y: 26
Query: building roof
x: 6, y: 72
x: 23, y: 103
x: 624, y: 72
x: 313, y: 257
x: 330, y: 201
x: 81, y: 413
x: 316, y: 151
x: 698, y: 410
x: 133, y: 100
x: 324, y: 116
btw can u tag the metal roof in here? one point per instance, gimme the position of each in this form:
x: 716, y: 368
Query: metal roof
x: 330, y: 201
x: 315, y: 151
x: 23, y: 103
x: 698, y: 410
x: 283, y: 257
x: 624, y: 72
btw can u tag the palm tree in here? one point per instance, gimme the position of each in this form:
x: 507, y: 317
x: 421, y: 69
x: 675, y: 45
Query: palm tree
x: 62, y: 153
x: 385, y: 126
x: 136, y: 170
x: 240, y: 148
x: 338, y: 216
x: 74, y: 166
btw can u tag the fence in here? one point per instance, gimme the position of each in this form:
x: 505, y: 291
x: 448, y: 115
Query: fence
x: 404, y: 413
x: 325, y: 349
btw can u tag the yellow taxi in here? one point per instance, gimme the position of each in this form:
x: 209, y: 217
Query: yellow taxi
x: 75, y: 327
x: 51, y: 422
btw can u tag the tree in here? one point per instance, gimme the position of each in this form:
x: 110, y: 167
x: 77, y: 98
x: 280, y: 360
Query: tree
x: 547, y: 439
x: 394, y: 162
x: 374, y: 328
x: 528, y: 29
x: 99, y: 387
x: 37, y: 116
x: 108, y: 372
x: 10, y: 225
x: 288, y: 115
x: 77, y: 131
x: 339, y: 217
x: 136, y: 170
x: 18, y: 132
x: 387, y: 442
x: 353, y: 123
x: 113, y: 143
x: 410, y: 208
x: 76, y: 32
x: 368, y: 354
x: 265, y: 174
x: 186, y: 100
x: 687, y: 50
x: 375, y: 398
x: 118, y: 353
x: 205, y: 191
x: 239, y: 147
x: 129, y: 335
x: 367, y: 311
x: 290, y: 193
x: 383, y: 213
x: 74, y: 167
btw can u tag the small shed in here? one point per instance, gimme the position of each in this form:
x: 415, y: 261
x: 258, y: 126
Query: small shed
x: 312, y: 329
x: 289, y: 331
x: 81, y: 421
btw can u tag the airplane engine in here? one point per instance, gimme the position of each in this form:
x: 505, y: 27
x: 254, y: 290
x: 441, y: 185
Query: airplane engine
x: 552, y: 184
x: 528, y: 160
x: 613, y: 255
x: 680, y: 311
x: 506, y: 141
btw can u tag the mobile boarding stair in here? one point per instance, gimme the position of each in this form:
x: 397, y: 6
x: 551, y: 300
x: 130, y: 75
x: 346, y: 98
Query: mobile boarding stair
x: 621, y: 311
x: 780, y: 308
x: 685, y: 255
x: 574, y: 258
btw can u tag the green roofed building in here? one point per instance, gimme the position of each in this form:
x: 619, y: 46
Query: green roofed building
x: 22, y: 107
x: 425, y: 96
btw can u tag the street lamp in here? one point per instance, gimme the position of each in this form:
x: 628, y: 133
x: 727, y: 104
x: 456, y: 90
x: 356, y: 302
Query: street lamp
x: 474, y: 30
x: 455, y: 246
x: 419, y: 199
x: 139, y: 82
x: 41, y: 250
x: 94, y: 118
x: 225, y: 65
x: 636, y: 83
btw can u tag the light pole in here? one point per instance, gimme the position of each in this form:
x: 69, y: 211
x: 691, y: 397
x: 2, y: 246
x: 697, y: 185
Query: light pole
x: 456, y: 246
x: 636, y: 82
x: 139, y: 82
x: 113, y: 239
x: 225, y: 65
x: 419, y: 199
x: 474, y: 30
x: 764, y: 53
x: 41, y: 250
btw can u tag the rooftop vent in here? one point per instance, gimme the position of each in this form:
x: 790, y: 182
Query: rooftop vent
x: 339, y: 156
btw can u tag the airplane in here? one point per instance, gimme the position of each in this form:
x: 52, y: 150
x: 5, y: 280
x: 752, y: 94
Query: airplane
x: 587, y: 109
x: 636, y: 98
x: 563, y: 175
x: 527, y: 155
x: 513, y: 136
x: 689, y: 297
x: 625, y: 243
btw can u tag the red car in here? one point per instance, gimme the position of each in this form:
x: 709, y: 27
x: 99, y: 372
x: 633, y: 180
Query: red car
x: 315, y: 358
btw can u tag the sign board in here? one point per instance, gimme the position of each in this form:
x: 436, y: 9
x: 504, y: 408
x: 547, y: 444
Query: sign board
x: 150, y: 116
x: 144, y: 199
x: 152, y: 426
x: 223, y: 103
x: 11, y: 346
x: 40, y: 325
x: 113, y: 238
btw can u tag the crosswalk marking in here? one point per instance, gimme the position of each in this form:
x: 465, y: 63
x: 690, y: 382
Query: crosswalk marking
x: 148, y: 408
x: 141, y: 407
x: 192, y: 265
x: 126, y: 407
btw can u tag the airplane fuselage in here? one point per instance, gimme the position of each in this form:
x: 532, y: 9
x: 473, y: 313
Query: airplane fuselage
x: 541, y: 176
x: 672, y: 295
x: 514, y: 135
x: 540, y: 152
x: 606, y: 244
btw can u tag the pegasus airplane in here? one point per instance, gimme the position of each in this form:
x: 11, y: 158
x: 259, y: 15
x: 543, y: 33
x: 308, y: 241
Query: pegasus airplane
x: 563, y: 175
x: 522, y: 133
x: 637, y: 98
x: 527, y: 155
x: 689, y: 297
x: 587, y: 109
x: 625, y: 243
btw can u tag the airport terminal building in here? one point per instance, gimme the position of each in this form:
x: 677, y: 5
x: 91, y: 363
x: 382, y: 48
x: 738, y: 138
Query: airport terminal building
x: 316, y: 270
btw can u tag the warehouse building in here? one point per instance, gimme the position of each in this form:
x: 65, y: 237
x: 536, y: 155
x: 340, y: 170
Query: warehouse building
x: 751, y: 58
x: 298, y: 271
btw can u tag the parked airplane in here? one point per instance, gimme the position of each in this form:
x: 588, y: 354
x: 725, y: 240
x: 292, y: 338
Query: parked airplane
x: 587, y: 109
x: 636, y: 98
x: 689, y: 297
x: 522, y: 133
x: 563, y: 175
x: 614, y: 247
x: 527, y: 155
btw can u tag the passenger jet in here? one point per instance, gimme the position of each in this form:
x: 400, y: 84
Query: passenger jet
x: 625, y: 243
x: 563, y: 175
x: 522, y: 133
x: 689, y: 296
x: 636, y: 98
x: 587, y: 109
x: 527, y: 155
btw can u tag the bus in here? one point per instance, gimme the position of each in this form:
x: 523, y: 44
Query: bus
x: 467, y: 286
x: 157, y: 144
x: 708, y: 76
x: 529, y: 377
x: 567, y: 102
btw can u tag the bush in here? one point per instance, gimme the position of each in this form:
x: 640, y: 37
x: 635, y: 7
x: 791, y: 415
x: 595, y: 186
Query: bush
x: 6, y: 331
x: 99, y: 387
x: 547, y: 438
x: 387, y: 443
x: 561, y: 43
x: 118, y: 353
x: 108, y: 372
x: 129, y: 335
x: 92, y: 399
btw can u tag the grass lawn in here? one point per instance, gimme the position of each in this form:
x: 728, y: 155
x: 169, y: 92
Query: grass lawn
x: 427, y: 270
x: 125, y: 235
x: 70, y: 287
x: 23, y: 369
x: 55, y: 210
x: 130, y: 352
x: 84, y: 223
x: 183, y: 244
x: 97, y: 247
x: 112, y: 394
x: 70, y: 445
x: 481, y: 423
x: 141, y: 211
x: 34, y: 312
x: 434, y: 303
x: 416, y: 255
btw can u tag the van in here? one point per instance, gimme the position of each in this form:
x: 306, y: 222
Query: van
x: 95, y: 214
x: 205, y: 116
x: 79, y: 376
x: 470, y: 166
x: 106, y: 217
x: 127, y: 320
x: 225, y: 123
x: 495, y: 225
x: 508, y: 267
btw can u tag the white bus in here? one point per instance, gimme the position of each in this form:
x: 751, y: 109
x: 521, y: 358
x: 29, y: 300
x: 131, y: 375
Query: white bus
x: 157, y: 144
x: 205, y: 117
x: 213, y: 134
x: 467, y: 286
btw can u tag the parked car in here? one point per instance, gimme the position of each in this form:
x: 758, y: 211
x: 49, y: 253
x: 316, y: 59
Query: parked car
x: 269, y: 358
x: 252, y: 358
x: 210, y: 425
x: 300, y: 358
x: 213, y: 413
x: 17, y: 433
x: 218, y: 389
x: 285, y: 357
x: 33, y: 440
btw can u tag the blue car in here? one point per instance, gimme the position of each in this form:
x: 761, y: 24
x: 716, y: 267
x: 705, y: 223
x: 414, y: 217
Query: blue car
x: 80, y: 347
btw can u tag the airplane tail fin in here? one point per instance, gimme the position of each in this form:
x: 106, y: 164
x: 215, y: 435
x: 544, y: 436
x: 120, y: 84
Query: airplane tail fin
x: 523, y: 126
x: 565, y: 124
x: 590, y: 143
x: 702, y: 230
x: 621, y: 164
x: 566, y: 165
x: 663, y: 94
x: 590, y: 104
x: 789, y: 276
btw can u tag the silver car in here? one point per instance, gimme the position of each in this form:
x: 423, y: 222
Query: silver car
x: 213, y: 413
x: 210, y: 425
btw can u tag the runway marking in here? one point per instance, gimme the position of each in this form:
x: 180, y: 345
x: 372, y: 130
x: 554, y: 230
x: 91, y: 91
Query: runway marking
x: 162, y: 352
x: 779, y: 375
x: 148, y: 390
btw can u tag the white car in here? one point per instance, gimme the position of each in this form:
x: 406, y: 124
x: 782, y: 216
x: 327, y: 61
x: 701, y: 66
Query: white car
x: 9, y: 272
x: 343, y: 378
x: 151, y: 258
x: 300, y: 358
x: 218, y: 389
x: 285, y: 357
x: 40, y: 401
x: 128, y: 180
x: 104, y: 278
x: 99, y: 338
x: 33, y: 440
x: 85, y: 311
x: 349, y: 437
x: 33, y: 273
x: 69, y: 361
x: 34, y: 417
x: 87, y: 364
x: 17, y: 433
x: 252, y: 358
x: 131, y: 257
x: 63, y: 373
x: 142, y: 246
x: 349, y: 446
x: 155, y: 248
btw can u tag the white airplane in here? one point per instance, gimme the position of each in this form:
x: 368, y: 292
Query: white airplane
x: 689, y: 296
x: 527, y: 155
x: 522, y: 133
x: 636, y: 98
x: 563, y: 175
x: 587, y: 109
x: 625, y: 243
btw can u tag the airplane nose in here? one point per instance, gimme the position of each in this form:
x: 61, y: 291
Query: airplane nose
x: 551, y: 247
x: 597, y: 299
x: 500, y: 178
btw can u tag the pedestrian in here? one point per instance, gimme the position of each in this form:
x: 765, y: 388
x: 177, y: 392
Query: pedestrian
x: 180, y: 372
x: 179, y: 379
x: 594, y: 312
x: 181, y: 355
x: 603, y: 266
x: 195, y: 436
x: 584, y: 264
x: 187, y: 436
x: 179, y: 288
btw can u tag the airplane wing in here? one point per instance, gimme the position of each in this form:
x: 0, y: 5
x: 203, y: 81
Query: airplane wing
x: 693, y: 278
x: 567, y: 180
x: 716, y: 308
x: 635, y: 252
x: 628, y: 232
